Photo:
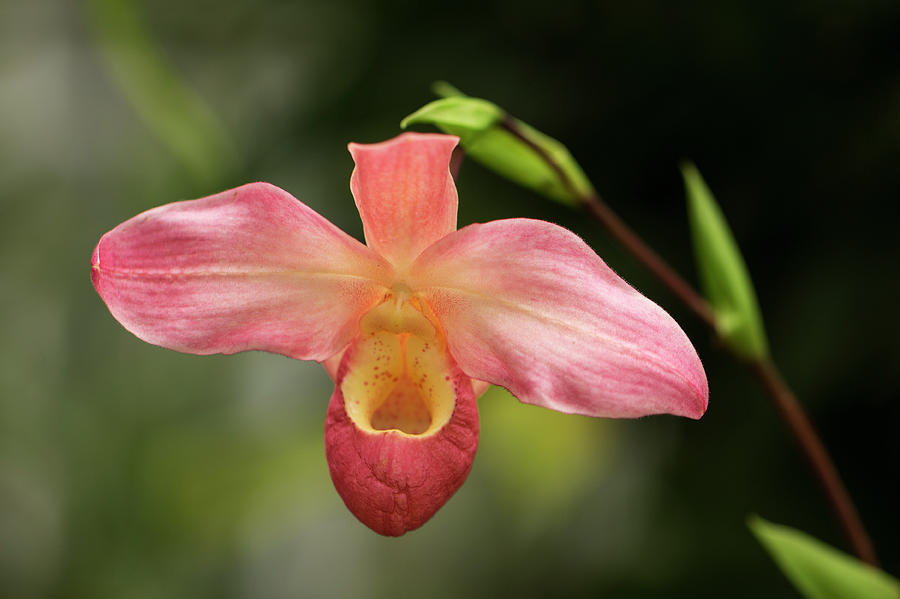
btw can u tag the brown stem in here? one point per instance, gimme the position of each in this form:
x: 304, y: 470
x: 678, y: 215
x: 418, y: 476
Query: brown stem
x: 785, y: 402
x: 781, y: 396
x: 680, y: 288
x: 623, y: 233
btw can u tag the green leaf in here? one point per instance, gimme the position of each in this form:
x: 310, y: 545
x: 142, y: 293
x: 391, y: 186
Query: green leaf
x: 723, y: 274
x: 819, y: 571
x: 471, y: 114
x: 507, y: 146
x: 170, y: 109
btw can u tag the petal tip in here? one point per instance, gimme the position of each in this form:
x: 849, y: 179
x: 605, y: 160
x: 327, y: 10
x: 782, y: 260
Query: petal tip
x: 698, y: 400
x: 95, y: 265
x: 687, y: 395
x: 697, y: 408
x: 95, y: 257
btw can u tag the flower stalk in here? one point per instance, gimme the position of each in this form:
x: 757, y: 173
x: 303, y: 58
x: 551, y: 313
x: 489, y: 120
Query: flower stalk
x: 763, y: 369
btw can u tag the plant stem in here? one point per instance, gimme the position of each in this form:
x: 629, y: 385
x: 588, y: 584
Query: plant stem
x: 601, y: 212
x: 785, y: 402
x: 766, y: 373
x: 680, y: 288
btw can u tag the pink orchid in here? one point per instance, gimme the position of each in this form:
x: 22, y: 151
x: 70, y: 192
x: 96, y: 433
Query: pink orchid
x: 411, y: 326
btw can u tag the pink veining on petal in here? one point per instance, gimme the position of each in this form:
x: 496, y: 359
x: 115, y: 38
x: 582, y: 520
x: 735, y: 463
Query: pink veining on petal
x: 394, y: 483
x: 529, y: 306
x: 248, y: 268
x: 405, y: 194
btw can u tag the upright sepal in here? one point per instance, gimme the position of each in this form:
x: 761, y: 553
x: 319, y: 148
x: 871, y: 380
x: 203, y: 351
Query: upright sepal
x: 819, y: 571
x: 507, y: 146
x: 723, y: 273
x: 404, y: 192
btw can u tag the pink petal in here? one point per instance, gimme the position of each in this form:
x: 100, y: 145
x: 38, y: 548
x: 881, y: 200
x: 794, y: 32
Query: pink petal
x: 404, y: 192
x: 248, y: 268
x: 332, y: 364
x: 529, y: 306
x: 479, y: 388
x: 395, y: 482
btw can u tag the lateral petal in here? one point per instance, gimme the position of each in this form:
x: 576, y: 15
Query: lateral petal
x: 404, y: 192
x: 251, y: 268
x: 527, y: 305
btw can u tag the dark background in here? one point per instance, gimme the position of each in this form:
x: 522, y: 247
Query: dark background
x: 131, y: 471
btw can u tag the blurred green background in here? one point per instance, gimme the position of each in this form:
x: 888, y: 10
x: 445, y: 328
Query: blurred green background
x: 129, y: 471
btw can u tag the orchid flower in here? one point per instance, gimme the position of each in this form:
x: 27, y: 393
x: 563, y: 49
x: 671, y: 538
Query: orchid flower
x: 412, y: 326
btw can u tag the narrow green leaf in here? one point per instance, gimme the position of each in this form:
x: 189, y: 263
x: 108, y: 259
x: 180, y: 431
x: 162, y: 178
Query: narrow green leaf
x: 723, y: 274
x: 819, y: 571
x: 486, y: 134
x: 171, y: 110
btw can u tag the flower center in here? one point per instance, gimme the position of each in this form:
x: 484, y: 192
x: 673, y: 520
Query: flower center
x: 399, y: 372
